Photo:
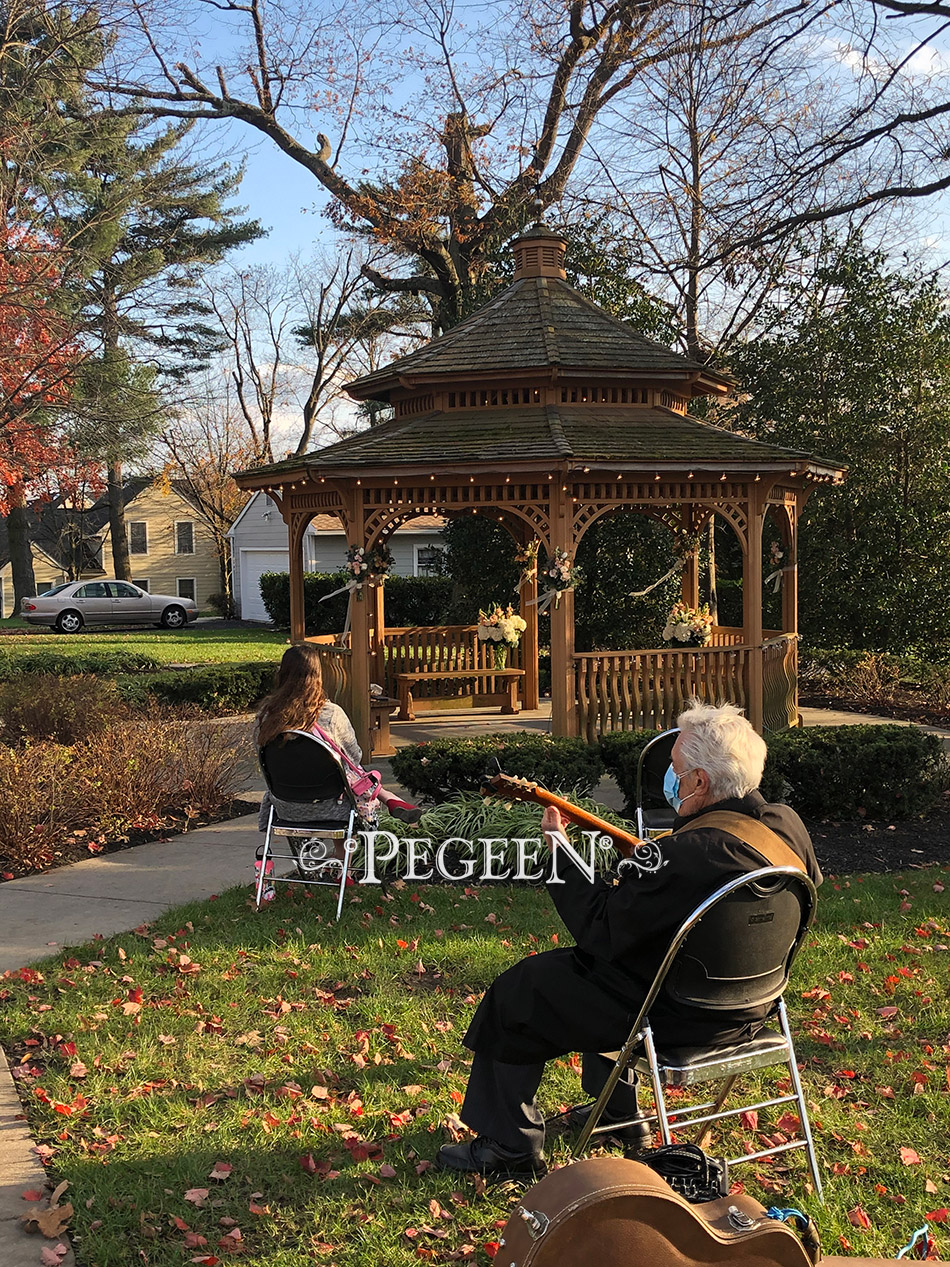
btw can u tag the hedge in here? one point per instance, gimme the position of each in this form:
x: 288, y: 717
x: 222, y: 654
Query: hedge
x: 69, y: 663
x: 219, y: 688
x: 876, y: 772
x: 443, y: 768
x: 410, y: 600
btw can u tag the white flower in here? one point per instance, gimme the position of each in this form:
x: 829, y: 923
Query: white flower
x: 682, y: 633
x: 667, y: 633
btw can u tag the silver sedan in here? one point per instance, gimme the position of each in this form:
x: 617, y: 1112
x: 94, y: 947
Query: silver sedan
x: 69, y: 607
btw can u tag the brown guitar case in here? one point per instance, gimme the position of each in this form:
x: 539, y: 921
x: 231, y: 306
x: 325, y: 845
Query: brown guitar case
x: 612, y: 1212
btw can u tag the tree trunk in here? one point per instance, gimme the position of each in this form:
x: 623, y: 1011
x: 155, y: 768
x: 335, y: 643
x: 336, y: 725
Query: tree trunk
x: 121, y: 562
x: 713, y: 593
x: 21, y: 556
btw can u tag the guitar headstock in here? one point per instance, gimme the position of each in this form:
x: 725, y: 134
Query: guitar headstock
x: 516, y: 789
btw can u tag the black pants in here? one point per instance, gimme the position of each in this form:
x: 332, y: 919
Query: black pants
x: 500, y: 1100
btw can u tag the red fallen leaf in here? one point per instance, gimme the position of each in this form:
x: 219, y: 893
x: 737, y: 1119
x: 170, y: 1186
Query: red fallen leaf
x: 209, y: 1260
x: 749, y: 1119
x: 307, y: 1163
x: 32, y: 1194
x: 937, y: 1216
x: 788, y: 1122
x: 491, y: 1248
x: 845, y: 1244
x: 221, y: 1170
x: 859, y: 1218
x: 938, y: 887
x: 886, y: 1093
x: 180, y: 1224
x: 194, y: 1240
x: 197, y: 1195
x: 387, y: 1172
x: 909, y: 1157
x: 885, y: 1013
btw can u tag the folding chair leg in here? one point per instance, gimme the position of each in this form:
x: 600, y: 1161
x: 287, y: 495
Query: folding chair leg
x: 658, y: 1099
x: 800, y: 1101
x: 347, y: 855
x: 727, y: 1085
x: 620, y: 1064
x: 265, y: 855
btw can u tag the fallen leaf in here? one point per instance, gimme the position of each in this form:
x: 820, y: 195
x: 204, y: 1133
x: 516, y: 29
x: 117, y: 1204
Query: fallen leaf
x: 909, y: 1157
x: 221, y: 1170
x: 859, y: 1218
x: 32, y: 1194
x: 198, y: 1196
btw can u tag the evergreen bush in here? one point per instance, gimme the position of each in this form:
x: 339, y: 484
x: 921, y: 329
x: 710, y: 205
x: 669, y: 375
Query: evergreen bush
x: 443, y: 768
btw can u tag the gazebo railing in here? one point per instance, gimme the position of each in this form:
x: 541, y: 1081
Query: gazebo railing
x: 780, y: 682
x: 645, y: 690
x: 438, y: 649
x: 335, y: 661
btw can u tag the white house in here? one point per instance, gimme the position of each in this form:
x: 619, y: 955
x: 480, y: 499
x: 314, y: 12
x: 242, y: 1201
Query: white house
x: 259, y: 544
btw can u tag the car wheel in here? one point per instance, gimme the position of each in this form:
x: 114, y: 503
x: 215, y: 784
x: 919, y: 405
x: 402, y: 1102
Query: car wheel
x: 69, y: 622
x: 173, y: 618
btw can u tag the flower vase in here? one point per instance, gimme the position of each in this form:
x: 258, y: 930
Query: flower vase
x: 500, y: 653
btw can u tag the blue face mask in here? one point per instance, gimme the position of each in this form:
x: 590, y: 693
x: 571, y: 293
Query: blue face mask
x: 671, y: 789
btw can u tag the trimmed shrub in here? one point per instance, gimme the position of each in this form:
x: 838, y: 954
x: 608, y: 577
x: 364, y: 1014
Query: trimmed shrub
x: 876, y: 772
x: 68, y: 663
x: 56, y: 709
x: 215, y: 688
x: 620, y: 750
x: 444, y: 767
x: 410, y: 600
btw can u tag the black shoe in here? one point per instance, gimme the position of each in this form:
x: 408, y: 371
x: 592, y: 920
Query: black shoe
x: 410, y: 814
x: 635, y: 1137
x: 483, y: 1156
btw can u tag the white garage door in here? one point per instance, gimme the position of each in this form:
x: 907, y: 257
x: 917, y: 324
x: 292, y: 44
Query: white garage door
x: 254, y: 563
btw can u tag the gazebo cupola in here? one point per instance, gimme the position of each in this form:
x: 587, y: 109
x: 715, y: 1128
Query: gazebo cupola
x: 546, y: 413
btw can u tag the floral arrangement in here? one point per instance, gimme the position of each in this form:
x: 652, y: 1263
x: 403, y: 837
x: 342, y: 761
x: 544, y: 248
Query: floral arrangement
x: 776, y: 555
x: 501, y: 624
x: 527, y: 556
x: 561, y: 573
x: 367, y: 567
x: 690, y: 625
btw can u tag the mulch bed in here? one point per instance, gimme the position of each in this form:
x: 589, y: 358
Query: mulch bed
x: 898, y: 846
x: 905, y: 706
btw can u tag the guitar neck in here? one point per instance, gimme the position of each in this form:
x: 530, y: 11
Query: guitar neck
x: 624, y: 842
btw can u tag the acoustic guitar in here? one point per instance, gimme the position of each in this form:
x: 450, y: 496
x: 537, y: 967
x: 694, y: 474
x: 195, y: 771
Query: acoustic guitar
x: 515, y: 789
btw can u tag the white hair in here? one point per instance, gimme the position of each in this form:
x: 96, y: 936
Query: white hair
x: 721, y: 741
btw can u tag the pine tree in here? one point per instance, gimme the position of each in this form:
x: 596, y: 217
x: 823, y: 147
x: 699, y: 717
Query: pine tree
x: 154, y: 221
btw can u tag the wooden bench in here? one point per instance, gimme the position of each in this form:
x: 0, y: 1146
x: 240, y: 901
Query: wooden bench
x: 405, y: 682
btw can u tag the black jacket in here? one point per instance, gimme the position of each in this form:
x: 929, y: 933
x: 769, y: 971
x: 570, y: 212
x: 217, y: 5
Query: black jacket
x: 585, y: 998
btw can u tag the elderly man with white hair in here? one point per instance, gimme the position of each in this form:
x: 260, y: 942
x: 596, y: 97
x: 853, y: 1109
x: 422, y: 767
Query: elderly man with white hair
x: 584, y: 998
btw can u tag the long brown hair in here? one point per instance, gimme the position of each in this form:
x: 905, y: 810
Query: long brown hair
x: 298, y: 697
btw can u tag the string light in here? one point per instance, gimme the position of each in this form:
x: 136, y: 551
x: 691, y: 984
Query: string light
x: 722, y: 476
x: 690, y: 475
x: 757, y: 478
x: 657, y: 476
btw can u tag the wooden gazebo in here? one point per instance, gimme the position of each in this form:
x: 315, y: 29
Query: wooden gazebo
x: 547, y: 413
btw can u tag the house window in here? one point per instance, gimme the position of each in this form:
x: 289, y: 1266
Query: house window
x: 184, y: 537
x: 142, y: 582
x: 138, y: 538
x: 429, y: 560
x: 186, y: 587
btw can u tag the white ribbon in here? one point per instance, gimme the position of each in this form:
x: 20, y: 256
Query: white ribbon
x: 545, y: 600
x: 776, y: 576
x: 677, y: 567
x: 348, y: 588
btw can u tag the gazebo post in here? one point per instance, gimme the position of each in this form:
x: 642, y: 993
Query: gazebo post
x: 298, y: 625
x: 691, y: 579
x: 563, y: 692
x: 379, y: 633
x: 528, y: 593
x: 752, y: 604
x: 790, y: 578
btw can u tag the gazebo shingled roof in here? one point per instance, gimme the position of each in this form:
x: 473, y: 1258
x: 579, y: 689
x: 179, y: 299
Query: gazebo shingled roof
x: 546, y: 412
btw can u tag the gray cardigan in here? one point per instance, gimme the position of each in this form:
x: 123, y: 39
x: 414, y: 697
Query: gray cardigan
x: 337, y: 725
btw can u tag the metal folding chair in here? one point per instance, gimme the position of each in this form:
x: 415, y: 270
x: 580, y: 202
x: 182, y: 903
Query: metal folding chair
x: 734, y: 952
x: 654, y: 815
x: 299, y: 767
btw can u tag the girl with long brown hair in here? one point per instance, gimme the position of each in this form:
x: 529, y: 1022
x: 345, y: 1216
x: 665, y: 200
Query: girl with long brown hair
x: 299, y: 702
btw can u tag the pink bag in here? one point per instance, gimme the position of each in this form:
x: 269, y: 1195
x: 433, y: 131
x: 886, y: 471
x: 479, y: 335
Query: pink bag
x: 364, y: 784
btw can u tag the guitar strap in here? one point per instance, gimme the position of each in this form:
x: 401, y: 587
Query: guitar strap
x: 768, y: 844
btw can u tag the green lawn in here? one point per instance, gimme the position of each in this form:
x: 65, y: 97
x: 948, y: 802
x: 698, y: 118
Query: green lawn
x: 192, y: 645
x: 320, y: 1063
